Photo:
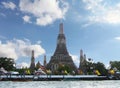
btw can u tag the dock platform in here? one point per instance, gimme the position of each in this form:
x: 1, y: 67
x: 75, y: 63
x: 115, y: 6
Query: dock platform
x: 50, y: 77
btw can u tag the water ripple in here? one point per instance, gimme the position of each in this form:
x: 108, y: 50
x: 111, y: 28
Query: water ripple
x: 61, y: 84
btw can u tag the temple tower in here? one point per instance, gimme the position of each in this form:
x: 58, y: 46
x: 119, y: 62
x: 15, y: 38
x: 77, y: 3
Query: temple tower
x: 45, y: 62
x: 82, y: 65
x: 61, y: 55
x: 32, y: 65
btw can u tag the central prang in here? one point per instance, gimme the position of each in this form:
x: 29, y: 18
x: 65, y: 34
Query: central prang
x: 61, y: 61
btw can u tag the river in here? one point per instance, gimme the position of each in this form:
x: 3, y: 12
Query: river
x: 61, y: 84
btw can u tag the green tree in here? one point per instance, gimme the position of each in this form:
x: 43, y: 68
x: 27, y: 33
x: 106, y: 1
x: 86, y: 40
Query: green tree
x: 115, y: 64
x: 100, y: 67
x: 21, y: 71
x: 89, y: 68
x: 63, y: 68
x: 7, y: 63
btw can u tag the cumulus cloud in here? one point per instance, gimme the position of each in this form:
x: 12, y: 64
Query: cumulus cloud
x: 75, y: 59
x: 23, y: 65
x: 117, y: 38
x: 7, y: 50
x: 17, y: 48
x: 103, y: 12
x: 26, y: 19
x: 2, y: 14
x: 9, y: 5
x: 44, y: 11
x: 44, y: 20
x: 2, y: 37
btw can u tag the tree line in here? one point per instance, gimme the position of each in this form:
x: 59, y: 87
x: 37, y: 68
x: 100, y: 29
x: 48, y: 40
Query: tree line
x: 9, y: 65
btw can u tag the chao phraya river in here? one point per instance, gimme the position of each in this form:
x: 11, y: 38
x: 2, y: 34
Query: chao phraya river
x: 61, y: 84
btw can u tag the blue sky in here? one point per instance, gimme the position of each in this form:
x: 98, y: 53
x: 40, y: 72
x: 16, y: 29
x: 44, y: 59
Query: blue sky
x: 91, y: 25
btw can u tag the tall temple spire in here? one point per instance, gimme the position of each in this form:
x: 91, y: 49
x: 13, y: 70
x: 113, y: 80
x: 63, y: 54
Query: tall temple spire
x: 32, y: 65
x: 61, y: 28
x: 85, y: 56
x: 32, y: 53
x: 45, y: 63
x: 61, y: 42
x: 61, y: 55
x: 81, y: 52
x: 82, y: 65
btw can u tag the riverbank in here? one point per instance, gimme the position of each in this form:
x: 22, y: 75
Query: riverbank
x: 51, y: 77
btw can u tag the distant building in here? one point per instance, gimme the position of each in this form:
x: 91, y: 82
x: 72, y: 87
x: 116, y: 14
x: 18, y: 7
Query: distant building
x: 32, y: 65
x: 45, y: 62
x: 61, y: 55
x: 83, y: 62
x: 38, y: 65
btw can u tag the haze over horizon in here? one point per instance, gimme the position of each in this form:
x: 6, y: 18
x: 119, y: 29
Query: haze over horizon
x: 90, y: 25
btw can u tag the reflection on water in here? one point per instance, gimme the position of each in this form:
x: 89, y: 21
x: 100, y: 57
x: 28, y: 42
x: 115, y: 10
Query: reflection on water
x: 61, y: 84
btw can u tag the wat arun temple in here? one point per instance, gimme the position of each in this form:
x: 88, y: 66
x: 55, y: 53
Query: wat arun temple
x: 60, y: 60
x: 61, y: 55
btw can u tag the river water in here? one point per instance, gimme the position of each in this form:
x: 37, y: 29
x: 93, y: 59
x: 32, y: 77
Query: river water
x: 61, y: 84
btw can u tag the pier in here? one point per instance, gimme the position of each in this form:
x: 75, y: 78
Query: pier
x: 50, y: 77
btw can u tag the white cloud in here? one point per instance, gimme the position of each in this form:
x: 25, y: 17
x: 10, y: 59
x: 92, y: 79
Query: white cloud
x: 7, y: 50
x: 22, y: 65
x: 44, y: 11
x: 75, y: 59
x: 117, y: 38
x: 44, y: 20
x: 9, y: 5
x: 20, y: 48
x: 103, y: 12
x: 2, y: 14
x: 2, y: 37
x: 38, y: 42
x: 26, y: 19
